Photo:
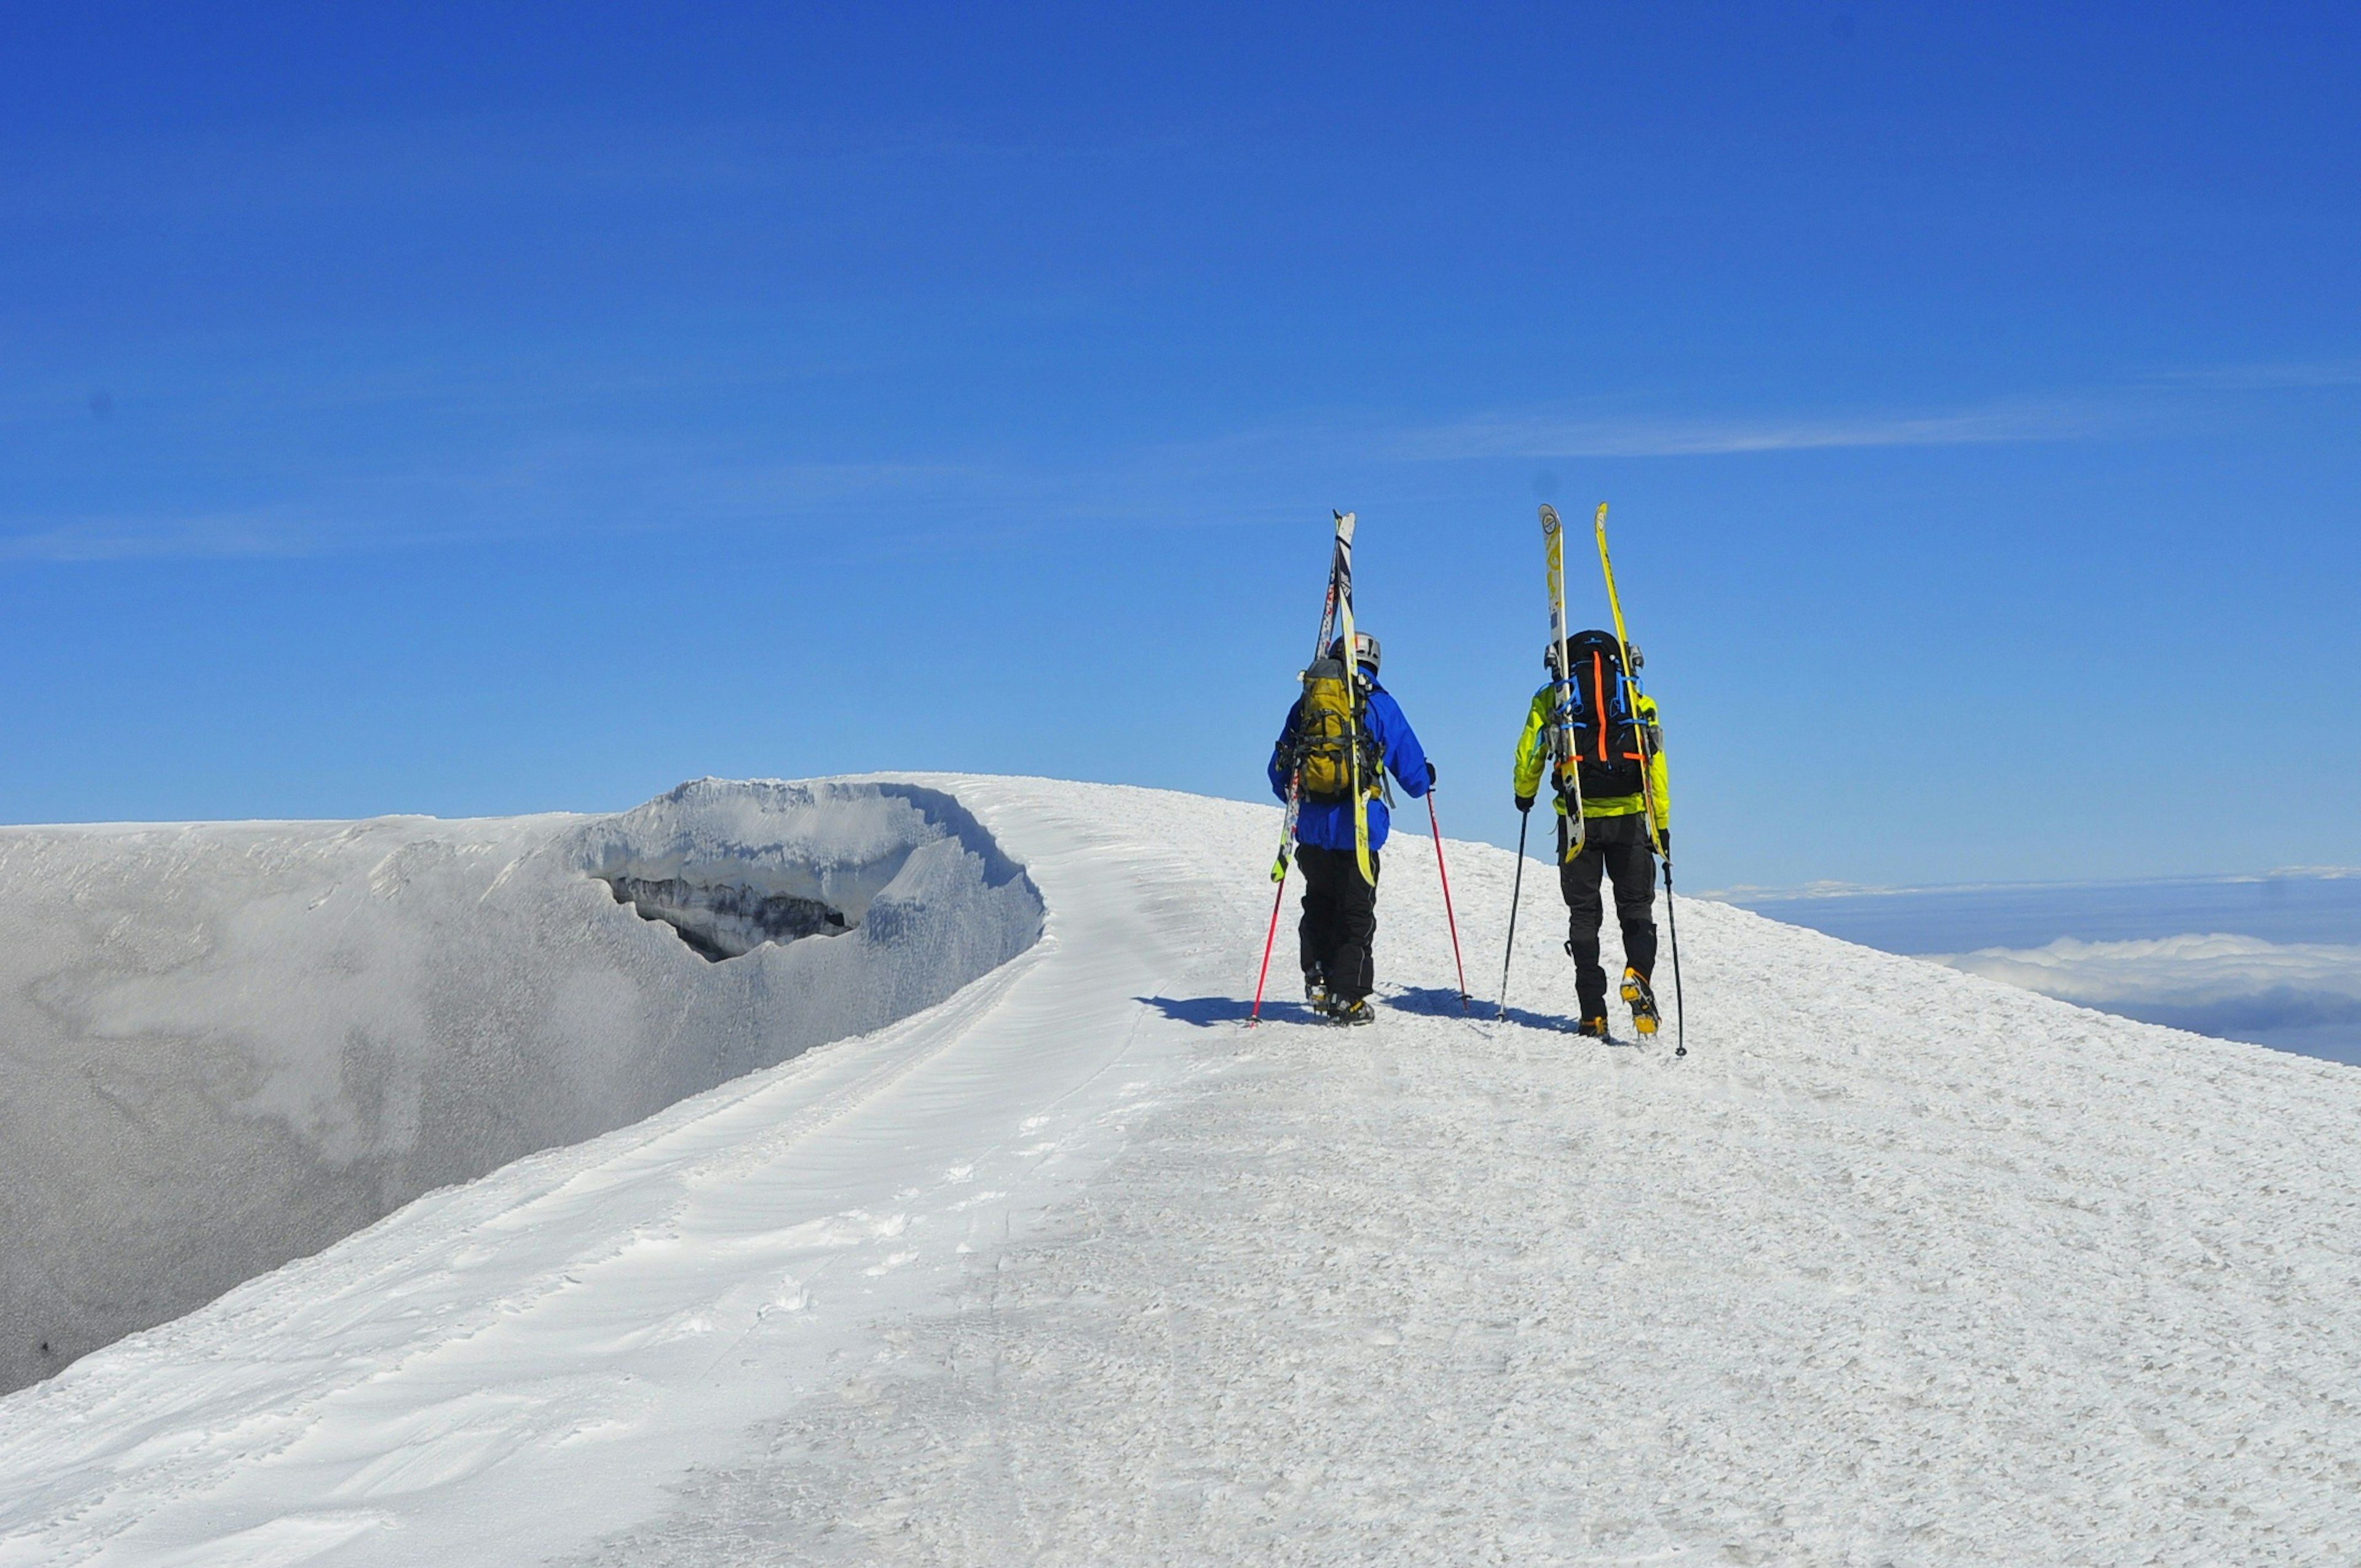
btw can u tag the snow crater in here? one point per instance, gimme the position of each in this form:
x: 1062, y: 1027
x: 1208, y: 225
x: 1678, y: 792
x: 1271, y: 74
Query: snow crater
x: 725, y: 920
x: 224, y: 1046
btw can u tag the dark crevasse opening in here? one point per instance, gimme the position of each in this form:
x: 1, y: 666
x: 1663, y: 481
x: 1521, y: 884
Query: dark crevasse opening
x: 726, y: 920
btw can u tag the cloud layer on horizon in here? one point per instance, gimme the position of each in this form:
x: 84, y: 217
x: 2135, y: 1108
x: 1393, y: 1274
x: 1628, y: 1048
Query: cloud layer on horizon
x: 2296, y: 996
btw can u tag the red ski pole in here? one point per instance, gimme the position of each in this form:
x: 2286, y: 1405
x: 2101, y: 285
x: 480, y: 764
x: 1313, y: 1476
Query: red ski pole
x: 1449, y: 918
x: 1277, y: 898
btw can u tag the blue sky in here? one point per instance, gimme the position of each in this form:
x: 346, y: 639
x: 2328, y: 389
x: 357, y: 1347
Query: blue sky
x: 491, y: 410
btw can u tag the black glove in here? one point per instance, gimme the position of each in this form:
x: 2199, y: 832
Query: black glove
x: 1430, y: 773
x: 1665, y: 842
x: 1524, y: 804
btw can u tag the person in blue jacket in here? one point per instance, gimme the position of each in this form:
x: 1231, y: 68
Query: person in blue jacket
x: 1340, y: 909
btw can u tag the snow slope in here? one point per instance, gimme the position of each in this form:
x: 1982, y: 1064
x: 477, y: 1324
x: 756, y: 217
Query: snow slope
x: 228, y: 1045
x: 1899, y: 1266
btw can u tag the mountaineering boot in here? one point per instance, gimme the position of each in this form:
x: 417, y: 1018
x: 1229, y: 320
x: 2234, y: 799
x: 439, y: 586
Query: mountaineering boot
x: 1592, y: 1028
x: 1355, y: 1010
x: 1641, y: 1000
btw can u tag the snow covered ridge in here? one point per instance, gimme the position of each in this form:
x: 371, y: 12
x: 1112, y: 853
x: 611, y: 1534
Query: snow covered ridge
x: 224, y: 1046
x: 1899, y: 1266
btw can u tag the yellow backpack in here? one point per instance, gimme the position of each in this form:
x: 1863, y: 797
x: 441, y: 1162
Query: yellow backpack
x: 1336, y: 712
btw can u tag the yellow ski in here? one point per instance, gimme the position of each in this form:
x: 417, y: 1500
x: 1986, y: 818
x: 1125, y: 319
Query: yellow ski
x: 1353, y: 734
x: 1647, y: 790
x: 1623, y: 648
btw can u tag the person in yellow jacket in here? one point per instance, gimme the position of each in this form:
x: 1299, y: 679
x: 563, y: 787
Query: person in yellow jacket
x: 1618, y: 766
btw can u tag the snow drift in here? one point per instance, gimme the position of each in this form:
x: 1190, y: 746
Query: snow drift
x: 228, y: 1045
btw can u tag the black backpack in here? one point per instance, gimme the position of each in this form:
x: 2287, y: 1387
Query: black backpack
x: 1599, y: 709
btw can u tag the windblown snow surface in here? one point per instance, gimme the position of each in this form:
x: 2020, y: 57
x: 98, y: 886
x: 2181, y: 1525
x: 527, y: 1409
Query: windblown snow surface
x: 1899, y: 1266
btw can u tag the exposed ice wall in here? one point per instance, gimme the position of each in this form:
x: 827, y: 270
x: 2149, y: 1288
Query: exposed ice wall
x: 223, y: 1046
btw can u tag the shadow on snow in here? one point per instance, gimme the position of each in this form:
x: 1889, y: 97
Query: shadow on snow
x: 1207, y: 1011
x: 1424, y: 1001
x: 1441, y: 1001
x: 1435, y: 1002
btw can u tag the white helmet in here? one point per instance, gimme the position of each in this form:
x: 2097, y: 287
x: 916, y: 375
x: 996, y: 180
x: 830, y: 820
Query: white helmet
x: 1365, y: 650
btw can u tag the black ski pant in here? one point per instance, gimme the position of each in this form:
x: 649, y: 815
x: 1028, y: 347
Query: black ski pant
x: 1340, y: 920
x: 1617, y: 846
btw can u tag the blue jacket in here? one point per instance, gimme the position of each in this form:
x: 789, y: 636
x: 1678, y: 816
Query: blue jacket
x: 1329, y: 824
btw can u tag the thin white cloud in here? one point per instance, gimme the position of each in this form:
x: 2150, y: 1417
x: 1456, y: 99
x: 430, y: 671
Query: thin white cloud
x: 1747, y: 894
x: 2151, y: 405
x: 2266, y: 377
x: 1542, y: 435
x: 545, y: 491
x: 132, y: 537
x: 458, y: 159
x: 2185, y: 971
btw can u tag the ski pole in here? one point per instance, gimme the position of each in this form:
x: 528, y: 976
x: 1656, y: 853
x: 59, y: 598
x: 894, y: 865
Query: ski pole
x: 1449, y: 918
x: 1516, y: 889
x: 1673, y: 925
x: 1279, y: 896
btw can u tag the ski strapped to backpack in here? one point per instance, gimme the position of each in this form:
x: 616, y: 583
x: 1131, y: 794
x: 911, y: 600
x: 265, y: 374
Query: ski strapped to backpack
x: 1647, y: 742
x: 1333, y: 755
x: 1340, y: 592
x: 1562, y: 741
x: 1356, y: 713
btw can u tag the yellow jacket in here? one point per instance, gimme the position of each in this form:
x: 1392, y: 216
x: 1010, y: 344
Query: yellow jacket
x: 1533, y: 753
